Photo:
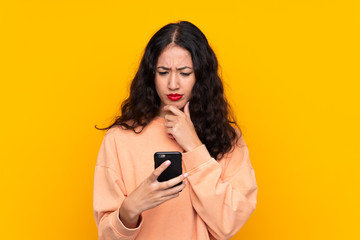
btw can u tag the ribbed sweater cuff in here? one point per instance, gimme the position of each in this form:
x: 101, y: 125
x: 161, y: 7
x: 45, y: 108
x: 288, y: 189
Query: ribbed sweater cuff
x: 195, y: 158
x: 124, y: 231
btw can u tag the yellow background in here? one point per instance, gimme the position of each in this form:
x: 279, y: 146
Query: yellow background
x: 291, y: 70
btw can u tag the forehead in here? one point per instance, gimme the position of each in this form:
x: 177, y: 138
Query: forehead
x: 174, y: 55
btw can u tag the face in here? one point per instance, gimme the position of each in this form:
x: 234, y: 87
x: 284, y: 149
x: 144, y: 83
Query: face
x: 175, y: 77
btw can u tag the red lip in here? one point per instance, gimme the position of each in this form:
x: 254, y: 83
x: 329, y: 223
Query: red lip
x: 174, y: 97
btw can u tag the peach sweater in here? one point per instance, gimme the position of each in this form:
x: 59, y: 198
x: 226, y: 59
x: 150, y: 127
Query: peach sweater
x: 220, y: 196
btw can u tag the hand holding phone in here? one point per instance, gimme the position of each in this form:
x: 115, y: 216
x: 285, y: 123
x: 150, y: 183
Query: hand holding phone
x: 151, y: 193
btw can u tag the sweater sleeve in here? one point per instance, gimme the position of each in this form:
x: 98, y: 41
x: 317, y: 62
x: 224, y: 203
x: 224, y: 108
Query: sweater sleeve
x: 109, y: 193
x: 223, y: 194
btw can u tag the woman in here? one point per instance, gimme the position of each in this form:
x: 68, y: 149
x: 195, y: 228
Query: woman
x: 176, y: 103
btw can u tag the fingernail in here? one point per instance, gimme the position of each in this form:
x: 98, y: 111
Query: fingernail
x: 185, y: 174
x: 185, y: 182
x: 167, y: 162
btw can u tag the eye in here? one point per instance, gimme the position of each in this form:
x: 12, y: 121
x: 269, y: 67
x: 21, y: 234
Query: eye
x: 186, y: 74
x: 162, y: 73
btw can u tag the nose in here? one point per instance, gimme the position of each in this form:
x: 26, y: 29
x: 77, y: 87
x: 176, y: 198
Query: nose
x: 173, y: 83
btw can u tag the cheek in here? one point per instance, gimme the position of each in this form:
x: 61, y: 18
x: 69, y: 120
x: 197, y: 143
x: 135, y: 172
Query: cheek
x: 191, y: 85
x: 159, y: 86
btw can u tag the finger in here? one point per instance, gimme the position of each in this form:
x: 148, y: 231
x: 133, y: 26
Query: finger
x: 169, y: 124
x: 170, y: 117
x: 172, y: 182
x: 173, y: 109
x: 167, y: 198
x: 174, y: 190
x: 171, y: 136
x: 156, y: 173
x: 169, y: 130
x: 187, y: 110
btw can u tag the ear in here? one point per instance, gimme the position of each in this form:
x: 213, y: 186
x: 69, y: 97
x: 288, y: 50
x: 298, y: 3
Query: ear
x: 186, y: 110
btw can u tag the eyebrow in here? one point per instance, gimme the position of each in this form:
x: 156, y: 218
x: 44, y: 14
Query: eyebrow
x: 182, y: 68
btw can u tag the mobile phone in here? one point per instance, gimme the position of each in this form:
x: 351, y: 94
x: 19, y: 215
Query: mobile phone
x: 175, y: 168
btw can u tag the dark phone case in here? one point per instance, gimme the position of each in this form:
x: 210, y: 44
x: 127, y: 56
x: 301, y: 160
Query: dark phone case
x: 175, y: 168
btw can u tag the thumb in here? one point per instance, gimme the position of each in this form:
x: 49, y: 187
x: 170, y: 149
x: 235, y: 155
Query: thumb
x: 186, y: 109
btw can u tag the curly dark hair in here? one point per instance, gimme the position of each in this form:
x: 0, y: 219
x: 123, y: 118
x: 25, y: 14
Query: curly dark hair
x: 210, y: 112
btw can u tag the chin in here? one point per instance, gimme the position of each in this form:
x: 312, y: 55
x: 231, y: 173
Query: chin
x: 180, y: 105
